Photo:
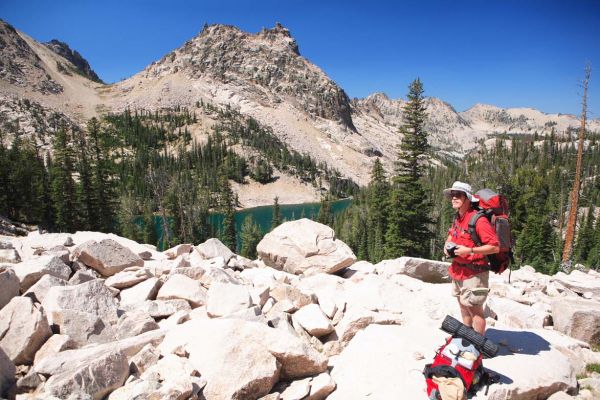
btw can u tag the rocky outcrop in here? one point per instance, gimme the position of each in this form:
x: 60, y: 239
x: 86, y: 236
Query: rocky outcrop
x: 23, y: 329
x: 304, y: 247
x: 10, y: 284
x: 419, y: 268
x: 268, y: 60
x: 20, y: 65
x: 91, y: 297
x: 578, y: 318
x: 7, y: 374
x: 107, y: 256
x: 80, y: 64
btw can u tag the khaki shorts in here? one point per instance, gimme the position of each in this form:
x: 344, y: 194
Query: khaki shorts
x: 473, y: 291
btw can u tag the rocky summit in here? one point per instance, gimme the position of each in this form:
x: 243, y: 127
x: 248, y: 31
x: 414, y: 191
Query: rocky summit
x: 94, y: 315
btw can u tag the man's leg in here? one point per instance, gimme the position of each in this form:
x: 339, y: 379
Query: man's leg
x: 478, y: 319
x: 466, y: 314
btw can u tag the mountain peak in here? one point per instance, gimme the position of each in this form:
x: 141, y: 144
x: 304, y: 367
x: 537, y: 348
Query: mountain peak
x: 73, y: 56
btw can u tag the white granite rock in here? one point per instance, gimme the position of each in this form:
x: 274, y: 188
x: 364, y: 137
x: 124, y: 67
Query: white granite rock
x: 214, y: 248
x: 91, y: 297
x: 107, y: 256
x: 418, y: 268
x: 180, y: 286
x: 30, y: 271
x: 133, y: 323
x: 313, y: 320
x: 304, y: 246
x: 23, y: 329
x: 10, y: 284
x: 141, y: 292
x: 227, y: 298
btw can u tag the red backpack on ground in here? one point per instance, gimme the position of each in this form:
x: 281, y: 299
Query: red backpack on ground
x: 450, y: 362
x: 460, y: 357
x: 494, y: 207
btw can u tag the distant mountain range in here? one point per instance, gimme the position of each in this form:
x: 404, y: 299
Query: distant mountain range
x: 262, y: 75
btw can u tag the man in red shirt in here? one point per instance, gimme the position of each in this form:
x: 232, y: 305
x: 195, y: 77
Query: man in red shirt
x: 470, y: 268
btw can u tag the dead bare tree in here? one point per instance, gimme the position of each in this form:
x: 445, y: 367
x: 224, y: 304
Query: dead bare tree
x: 574, y: 197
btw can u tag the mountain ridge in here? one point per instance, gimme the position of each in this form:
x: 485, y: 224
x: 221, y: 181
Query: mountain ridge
x: 264, y: 76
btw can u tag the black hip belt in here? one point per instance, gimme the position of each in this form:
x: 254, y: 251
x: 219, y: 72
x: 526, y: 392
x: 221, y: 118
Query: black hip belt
x: 475, y: 267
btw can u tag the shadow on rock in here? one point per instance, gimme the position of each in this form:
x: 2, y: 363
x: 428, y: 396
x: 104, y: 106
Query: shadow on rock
x: 522, y: 342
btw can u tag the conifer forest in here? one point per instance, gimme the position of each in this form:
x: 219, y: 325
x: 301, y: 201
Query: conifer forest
x: 123, y: 172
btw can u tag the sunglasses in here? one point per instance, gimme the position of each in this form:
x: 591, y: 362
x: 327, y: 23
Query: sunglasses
x: 457, y: 194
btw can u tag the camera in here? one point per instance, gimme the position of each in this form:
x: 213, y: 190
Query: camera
x: 450, y: 248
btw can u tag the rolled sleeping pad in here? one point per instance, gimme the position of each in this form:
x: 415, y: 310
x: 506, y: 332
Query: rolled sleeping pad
x: 458, y: 329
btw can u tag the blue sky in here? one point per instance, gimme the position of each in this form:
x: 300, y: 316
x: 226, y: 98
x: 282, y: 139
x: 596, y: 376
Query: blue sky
x: 503, y: 52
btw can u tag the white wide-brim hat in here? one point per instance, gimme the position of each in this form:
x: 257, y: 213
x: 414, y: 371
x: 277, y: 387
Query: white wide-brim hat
x: 461, y: 187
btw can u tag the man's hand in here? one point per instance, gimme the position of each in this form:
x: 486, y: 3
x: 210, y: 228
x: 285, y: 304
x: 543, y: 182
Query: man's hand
x: 462, y: 251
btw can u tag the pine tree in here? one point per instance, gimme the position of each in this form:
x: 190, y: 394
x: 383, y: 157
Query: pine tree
x: 227, y: 207
x: 378, y: 193
x: 409, y: 216
x: 250, y: 237
x: 585, y: 237
x: 276, y: 219
x: 64, y: 195
x: 325, y: 215
x: 104, y: 193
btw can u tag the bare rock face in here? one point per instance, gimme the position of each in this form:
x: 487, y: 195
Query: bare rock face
x: 579, y: 282
x: 298, y: 359
x: 80, y: 64
x: 181, y: 287
x: 160, y: 308
x: 82, y: 327
x: 227, y: 298
x: 267, y: 62
x: 133, y: 323
x: 141, y: 292
x: 55, y: 344
x: 304, y: 246
x: 418, y: 268
x: 214, y: 248
x: 178, y: 250
x: 38, y: 291
x: 21, y: 66
x: 107, y: 256
x: 92, y: 297
x: 23, y: 329
x: 30, y: 271
x: 10, y: 284
x: 314, y: 320
x: 7, y: 373
x: 95, y: 377
x: 125, y: 279
x: 578, y: 318
x: 9, y: 256
x: 516, y: 315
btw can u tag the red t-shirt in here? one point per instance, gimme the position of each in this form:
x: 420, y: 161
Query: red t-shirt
x: 459, y: 233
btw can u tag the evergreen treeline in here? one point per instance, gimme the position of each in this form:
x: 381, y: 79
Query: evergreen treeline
x: 128, y: 171
x: 535, y: 173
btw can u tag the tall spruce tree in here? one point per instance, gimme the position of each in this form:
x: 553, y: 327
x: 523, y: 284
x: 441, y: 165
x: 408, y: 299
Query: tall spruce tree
x: 325, y: 215
x: 227, y: 206
x: 408, y: 230
x: 250, y: 237
x: 276, y: 219
x: 378, y: 193
x: 64, y: 195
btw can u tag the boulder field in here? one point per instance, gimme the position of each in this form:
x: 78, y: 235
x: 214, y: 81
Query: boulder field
x: 90, y: 315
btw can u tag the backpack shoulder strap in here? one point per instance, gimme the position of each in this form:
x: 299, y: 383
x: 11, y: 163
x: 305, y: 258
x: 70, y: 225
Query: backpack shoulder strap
x: 472, y: 224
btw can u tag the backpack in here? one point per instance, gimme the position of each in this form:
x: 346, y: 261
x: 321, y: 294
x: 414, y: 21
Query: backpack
x: 457, y: 358
x: 494, y: 207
